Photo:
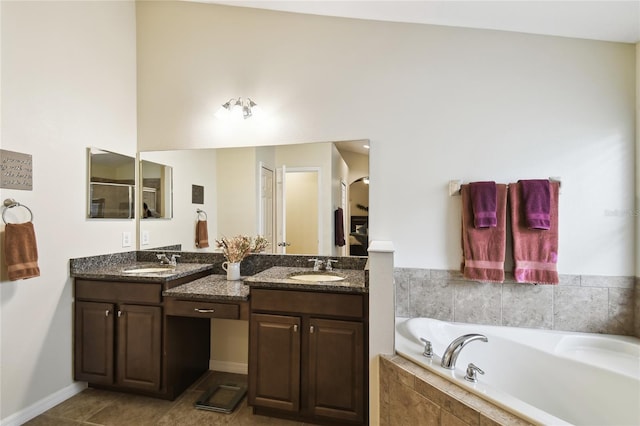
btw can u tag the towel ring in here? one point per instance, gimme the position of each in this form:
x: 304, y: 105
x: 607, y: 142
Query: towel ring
x: 199, y: 211
x: 10, y: 203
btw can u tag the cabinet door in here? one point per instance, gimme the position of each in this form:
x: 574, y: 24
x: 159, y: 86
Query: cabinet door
x: 336, y: 369
x: 93, y: 346
x: 274, y: 362
x: 139, y: 346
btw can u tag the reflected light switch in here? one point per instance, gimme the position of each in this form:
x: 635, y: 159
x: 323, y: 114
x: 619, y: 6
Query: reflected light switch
x: 144, y: 238
x: 126, y: 239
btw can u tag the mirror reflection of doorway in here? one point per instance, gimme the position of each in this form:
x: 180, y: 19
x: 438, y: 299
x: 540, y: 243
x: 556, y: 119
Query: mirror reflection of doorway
x: 359, y: 226
x: 300, y: 207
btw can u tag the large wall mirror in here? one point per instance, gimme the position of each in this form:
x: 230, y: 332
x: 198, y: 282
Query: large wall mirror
x: 111, y: 185
x: 157, y: 190
x: 291, y: 194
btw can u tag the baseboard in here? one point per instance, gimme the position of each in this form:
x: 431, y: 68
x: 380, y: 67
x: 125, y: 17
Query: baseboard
x: 43, y: 405
x: 228, y: 366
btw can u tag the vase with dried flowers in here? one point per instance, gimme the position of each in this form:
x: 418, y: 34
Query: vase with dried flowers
x: 235, y: 249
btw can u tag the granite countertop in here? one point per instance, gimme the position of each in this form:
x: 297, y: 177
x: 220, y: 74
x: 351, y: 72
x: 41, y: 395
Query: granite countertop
x: 115, y: 271
x: 279, y: 277
x: 211, y: 287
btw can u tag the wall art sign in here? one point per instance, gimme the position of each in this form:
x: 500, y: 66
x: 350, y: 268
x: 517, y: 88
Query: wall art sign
x: 16, y: 170
x: 197, y: 194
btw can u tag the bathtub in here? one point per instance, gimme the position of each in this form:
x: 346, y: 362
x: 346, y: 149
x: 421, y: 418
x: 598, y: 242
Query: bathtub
x: 545, y: 377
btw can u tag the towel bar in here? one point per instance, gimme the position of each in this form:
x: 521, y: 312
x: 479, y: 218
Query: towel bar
x: 455, y: 185
x: 10, y: 203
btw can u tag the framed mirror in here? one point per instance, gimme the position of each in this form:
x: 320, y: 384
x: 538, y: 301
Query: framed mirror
x: 111, y: 186
x: 157, y: 190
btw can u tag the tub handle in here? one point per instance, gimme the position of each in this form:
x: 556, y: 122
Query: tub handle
x: 471, y: 373
x: 428, y: 348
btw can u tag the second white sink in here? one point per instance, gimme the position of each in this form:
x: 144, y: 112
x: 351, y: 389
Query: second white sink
x: 317, y: 278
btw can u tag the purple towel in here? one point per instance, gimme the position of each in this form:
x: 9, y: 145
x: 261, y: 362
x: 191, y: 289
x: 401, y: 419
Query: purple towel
x: 483, y: 204
x: 339, y: 227
x: 536, y: 201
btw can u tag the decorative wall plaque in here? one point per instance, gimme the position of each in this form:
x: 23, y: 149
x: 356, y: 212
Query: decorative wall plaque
x: 16, y: 170
x: 197, y: 194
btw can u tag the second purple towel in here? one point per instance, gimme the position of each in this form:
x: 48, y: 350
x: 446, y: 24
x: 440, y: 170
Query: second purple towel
x: 536, y: 202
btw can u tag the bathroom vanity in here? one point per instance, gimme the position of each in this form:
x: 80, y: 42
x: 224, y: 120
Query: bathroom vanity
x: 149, y: 333
x: 128, y: 336
x: 308, y: 345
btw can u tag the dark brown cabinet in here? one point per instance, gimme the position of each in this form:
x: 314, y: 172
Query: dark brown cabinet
x: 308, y: 356
x: 133, y: 332
x: 118, y: 344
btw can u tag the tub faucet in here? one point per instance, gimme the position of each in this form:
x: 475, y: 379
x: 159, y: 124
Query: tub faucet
x: 453, y: 350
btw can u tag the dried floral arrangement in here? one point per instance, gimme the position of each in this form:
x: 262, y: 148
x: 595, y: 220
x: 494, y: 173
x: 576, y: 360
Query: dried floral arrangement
x: 235, y: 249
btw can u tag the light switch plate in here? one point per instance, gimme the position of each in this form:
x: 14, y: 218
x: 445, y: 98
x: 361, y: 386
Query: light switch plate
x: 126, y: 239
x: 144, y: 239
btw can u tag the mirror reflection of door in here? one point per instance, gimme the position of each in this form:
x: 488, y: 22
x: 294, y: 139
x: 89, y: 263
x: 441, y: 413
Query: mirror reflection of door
x: 299, y: 218
x: 267, y: 207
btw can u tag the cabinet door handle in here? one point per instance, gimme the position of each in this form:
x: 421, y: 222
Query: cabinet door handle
x: 311, y: 329
x: 204, y: 311
x: 119, y: 314
x: 295, y: 328
x: 106, y: 313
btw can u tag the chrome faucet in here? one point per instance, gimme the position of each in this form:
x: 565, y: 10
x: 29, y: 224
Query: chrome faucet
x: 329, y: 267
x: 164, y: 260
x: 453, y: 350
x: 318, y: 264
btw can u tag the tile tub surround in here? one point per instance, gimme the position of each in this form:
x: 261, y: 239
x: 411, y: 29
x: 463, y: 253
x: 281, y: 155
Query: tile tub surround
x: 585, y: 303
x: 411, y: 395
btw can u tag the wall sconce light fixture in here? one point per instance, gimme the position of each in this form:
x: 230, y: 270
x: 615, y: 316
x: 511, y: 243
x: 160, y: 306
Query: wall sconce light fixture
x: 237, y: 106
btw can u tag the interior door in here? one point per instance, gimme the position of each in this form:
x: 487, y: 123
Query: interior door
x: 267, y: 207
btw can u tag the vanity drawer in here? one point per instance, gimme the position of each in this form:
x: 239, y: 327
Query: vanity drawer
x: 191, y: 308
x: 314, y: 303
x: 119, y: 292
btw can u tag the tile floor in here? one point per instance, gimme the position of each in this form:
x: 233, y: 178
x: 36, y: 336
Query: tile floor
x: 99, y: 407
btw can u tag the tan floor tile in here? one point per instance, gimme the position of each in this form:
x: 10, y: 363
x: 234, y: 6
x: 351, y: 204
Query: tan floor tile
x: 48, y: 420
x: 83, y: 405
x: 244, y: 417
x: 132, y: 410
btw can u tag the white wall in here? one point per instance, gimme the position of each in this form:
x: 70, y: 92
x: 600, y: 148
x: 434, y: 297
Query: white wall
x: 637, y: 210
x: 237, y: 201
x: 437, y: 103
x: 68, y: 82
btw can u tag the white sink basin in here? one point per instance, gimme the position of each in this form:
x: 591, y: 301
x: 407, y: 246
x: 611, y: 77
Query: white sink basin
x: 147, y: 270
x: 317, y: 278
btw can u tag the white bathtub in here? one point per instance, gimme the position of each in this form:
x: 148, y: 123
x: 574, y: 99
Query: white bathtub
x: 546, y: 377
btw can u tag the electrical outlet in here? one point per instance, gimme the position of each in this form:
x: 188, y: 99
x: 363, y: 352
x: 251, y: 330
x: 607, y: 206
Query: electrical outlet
x: 144, y: 240
x: 126, y: 239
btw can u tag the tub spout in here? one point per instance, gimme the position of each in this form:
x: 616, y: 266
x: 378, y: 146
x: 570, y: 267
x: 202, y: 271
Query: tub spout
x: 453, y: 350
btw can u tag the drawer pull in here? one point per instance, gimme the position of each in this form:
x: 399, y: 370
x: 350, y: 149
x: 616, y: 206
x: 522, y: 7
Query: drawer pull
x: 311, y: 329
x: 295, y: 328
x: 205, y: 311
x: 106, y: 313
